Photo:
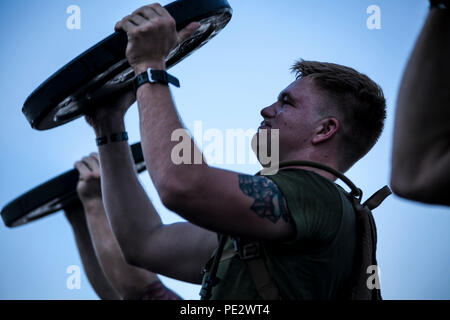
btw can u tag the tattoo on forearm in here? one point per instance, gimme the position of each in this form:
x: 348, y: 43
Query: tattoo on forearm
x: 269, y: 202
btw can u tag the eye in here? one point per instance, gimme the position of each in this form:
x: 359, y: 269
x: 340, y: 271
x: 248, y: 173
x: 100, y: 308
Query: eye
x: 286, y: 102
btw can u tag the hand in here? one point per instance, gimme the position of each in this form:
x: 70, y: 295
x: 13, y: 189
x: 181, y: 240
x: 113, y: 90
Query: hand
x: 89, y: 187
x: 152, y: 36
x: 114, y: 108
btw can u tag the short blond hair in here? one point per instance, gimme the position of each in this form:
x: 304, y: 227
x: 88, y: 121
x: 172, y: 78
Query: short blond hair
x: 358, y: 101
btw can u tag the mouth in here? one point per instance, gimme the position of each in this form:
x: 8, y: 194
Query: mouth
x: 265, y: 124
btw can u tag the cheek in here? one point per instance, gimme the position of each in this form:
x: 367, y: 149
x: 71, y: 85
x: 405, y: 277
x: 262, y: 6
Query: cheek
x: 283, y: 120
x: 287, y: 122
x: 293, y: 131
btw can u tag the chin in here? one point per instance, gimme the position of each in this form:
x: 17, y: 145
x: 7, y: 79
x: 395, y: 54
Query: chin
x: 260, y: 144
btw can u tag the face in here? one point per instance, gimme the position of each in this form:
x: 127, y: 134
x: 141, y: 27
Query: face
x: 296, y: 115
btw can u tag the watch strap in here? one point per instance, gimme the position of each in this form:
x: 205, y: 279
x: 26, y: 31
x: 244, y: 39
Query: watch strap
x: 155, y: 76
x: 115, y: 137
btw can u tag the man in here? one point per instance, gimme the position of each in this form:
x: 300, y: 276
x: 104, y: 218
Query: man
x: 330, y: 114
x: 109, y: 274
x: 421, y: 154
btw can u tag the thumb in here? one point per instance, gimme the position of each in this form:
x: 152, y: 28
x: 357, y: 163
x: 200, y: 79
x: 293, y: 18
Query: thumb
x: 187, y: 31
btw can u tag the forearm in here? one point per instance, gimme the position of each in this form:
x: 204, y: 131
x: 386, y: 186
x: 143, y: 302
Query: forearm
x: 158, y: 121
x: 130, y: 211
x: 93, y: 270
x: 129, y: 281
x: 421, y: 153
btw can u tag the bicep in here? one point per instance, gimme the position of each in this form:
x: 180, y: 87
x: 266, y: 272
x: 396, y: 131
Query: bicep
x: 427, y: 182
x: 238, y: 205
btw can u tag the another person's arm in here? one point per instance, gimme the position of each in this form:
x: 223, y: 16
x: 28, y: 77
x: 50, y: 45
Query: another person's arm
x: 130, y: 282
x: 94, y: 272
x: 421, y: 150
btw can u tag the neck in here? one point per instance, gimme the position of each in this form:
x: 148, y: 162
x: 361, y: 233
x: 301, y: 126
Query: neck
x: 319, y: 158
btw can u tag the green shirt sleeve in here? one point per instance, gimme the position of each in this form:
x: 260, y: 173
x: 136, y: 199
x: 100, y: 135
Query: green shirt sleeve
x: 314, y: 204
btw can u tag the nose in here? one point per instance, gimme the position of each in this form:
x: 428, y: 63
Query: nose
x: 269, y: 112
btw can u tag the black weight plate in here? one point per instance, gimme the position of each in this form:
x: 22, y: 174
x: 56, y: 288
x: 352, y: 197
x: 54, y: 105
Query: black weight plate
x: 103, y: 69
x: 52, y: 196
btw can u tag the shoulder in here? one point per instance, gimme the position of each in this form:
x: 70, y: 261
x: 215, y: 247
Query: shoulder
x: 307, y: 182
x: 314, y: 203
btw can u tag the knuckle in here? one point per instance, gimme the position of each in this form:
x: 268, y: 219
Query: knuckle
x: 146, y: 27
x: 157, y: 21
x: 138, y: 11
x: 171, y: 22
x: 135, y: 32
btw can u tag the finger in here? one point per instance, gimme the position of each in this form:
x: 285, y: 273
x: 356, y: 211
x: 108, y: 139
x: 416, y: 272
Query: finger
x: 82, y: 169
x: 91, y: 163
x: 147, y: 12
x: 126, y: 25
x: 137, y: 19
x: 119, y: 24
x: 186, y: 32
x: 95, y: 156
x: 160, y: 10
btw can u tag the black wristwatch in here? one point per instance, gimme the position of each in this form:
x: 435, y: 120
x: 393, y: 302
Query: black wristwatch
x: 154, y: 76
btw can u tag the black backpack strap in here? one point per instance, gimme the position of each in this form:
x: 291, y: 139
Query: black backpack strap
x: 377, y: 198
x: 252, y: 254
x: 355, y: 191
x: 365, y: 255
x: 211, y: 270
x: 264, y: 284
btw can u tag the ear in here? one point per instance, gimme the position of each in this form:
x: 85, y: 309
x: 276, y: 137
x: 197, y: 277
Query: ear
x: 326, y: 129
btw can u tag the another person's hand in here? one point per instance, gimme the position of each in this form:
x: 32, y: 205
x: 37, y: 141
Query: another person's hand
x: 152, y: 35
x: 89, y: 187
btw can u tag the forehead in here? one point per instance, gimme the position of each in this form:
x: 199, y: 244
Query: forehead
x: 302, y: 91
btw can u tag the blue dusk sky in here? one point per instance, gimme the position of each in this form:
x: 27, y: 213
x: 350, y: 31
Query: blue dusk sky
x: 224, y: 85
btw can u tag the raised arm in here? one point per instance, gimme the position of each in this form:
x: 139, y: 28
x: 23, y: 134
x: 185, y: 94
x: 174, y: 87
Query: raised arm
x: 215, y: 199
x: 94, y: 272
x: 421, y: 150
x: 130, y: 282
x: 179, y: 250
